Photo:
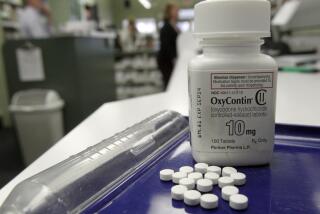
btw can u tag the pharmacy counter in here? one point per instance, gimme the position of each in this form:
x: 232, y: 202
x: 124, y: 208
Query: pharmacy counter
x: 297, y: 103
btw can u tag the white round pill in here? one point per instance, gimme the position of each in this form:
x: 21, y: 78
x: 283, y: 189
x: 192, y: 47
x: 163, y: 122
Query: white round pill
x: 166, y: 174
x: 195, y: 176
x: 214, y: 177
x: 177, y: 192
x: 204, y: 185
x: 214, y: 169
x: 209, y: 201
x: 238, y: 202
x: 177, y: 176
x: 192, y: 197
x: 225, y: 181
x: 187, y: 182
x: 239, y: 178
x: 201, y: 167
x: 227, y: 191
x: 227, y: 171
x: 186, y: 169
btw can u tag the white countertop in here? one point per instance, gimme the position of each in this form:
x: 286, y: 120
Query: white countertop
x: 297, y: 103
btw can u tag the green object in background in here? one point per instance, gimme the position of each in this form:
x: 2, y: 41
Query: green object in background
x: 298, y: 69
x: 60, y: 11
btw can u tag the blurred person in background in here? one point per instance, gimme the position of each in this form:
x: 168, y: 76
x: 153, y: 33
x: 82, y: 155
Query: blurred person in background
x: 92, y: 19
x: 35, y: 19
x: 89, y: 13
x: 168, y: 42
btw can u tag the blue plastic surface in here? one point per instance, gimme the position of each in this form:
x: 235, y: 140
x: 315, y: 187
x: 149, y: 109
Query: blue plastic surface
x: 290, y: 184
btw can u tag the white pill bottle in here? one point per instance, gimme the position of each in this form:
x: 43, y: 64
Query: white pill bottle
x: 232, y: 86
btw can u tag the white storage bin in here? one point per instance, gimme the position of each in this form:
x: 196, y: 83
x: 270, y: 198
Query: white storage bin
x: 39, y: 121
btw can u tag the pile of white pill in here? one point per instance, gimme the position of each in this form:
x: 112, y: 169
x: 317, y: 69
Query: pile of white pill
x: 194, y: 185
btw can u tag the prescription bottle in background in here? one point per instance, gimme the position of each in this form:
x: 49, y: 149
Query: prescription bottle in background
x: 232, y: 86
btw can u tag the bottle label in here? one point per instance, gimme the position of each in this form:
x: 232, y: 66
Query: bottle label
x: 232, y: 111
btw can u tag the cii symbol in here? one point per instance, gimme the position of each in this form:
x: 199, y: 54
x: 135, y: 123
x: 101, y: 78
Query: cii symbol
x: 261, y: 97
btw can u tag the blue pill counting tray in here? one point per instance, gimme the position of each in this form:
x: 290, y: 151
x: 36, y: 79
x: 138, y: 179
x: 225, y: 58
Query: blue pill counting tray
x: 121, y: 175
x: 290, y: 184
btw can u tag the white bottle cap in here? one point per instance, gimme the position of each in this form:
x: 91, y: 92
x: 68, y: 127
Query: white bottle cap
x: 225, y: 18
